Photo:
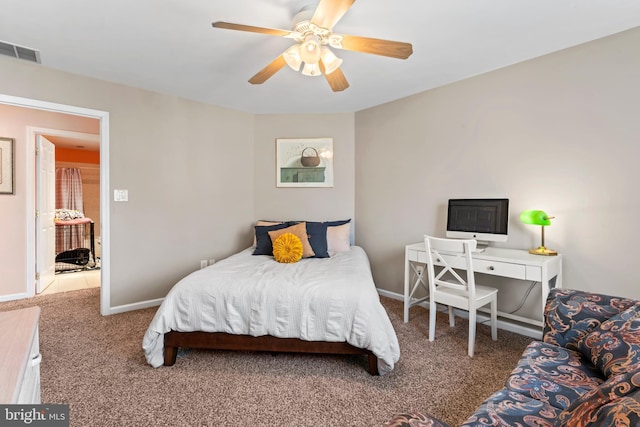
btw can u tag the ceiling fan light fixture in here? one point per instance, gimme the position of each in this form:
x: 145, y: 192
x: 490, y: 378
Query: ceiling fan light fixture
x: 311, y: 70
x: 310, y: 49
x: 330, y: 60
x: 292, y: 57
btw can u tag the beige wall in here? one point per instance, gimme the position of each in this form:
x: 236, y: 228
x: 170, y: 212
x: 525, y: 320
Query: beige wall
x: 192, y: 199
x: 558, y: 133
x: 318, y: 204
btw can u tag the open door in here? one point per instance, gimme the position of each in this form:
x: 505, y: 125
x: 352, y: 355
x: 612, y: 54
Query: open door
x: 45, y: 213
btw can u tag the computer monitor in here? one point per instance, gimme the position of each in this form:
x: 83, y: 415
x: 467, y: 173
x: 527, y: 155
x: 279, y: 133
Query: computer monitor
x: 485, y: 220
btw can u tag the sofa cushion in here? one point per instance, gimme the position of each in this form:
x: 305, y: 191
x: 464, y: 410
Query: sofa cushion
x: 614, y: 345
x: 414, y: 419
x: 510, y: 408
x: 553, y: 374
x: 570, y: 315
x: 614, y: 402
x: 623, y: 412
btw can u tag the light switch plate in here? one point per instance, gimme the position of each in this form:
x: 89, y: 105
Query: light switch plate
x: 120, y: 195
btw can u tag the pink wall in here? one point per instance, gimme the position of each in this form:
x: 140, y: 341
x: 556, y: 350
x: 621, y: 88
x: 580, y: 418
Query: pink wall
x: 13, y: 221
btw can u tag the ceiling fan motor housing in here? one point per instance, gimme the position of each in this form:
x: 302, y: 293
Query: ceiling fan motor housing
x: 305, y: 15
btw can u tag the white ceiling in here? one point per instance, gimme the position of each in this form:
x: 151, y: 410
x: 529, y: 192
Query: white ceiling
x: 169, y: 46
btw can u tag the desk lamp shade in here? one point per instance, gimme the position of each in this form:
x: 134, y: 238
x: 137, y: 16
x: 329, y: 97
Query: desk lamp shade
x: 538, y: 217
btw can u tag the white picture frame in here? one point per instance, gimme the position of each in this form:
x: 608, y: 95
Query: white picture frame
x: 304, y: 162
x: 7, y: 173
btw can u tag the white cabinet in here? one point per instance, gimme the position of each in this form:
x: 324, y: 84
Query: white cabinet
x: 20, y: 356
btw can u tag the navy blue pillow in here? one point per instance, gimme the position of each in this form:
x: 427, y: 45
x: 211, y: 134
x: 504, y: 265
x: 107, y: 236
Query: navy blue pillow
x: 263, y: 240
x: 334, y: 223
x: 317, y: 232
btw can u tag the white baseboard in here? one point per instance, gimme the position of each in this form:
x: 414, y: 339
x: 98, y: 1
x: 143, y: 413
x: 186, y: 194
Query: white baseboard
x: 506, y: 325
x: 13, y: 297
x: 136, y: 306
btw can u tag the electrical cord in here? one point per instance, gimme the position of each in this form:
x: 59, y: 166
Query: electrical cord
x: 522, y: 301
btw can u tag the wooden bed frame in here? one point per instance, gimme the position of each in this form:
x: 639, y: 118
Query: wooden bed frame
x: 224, y: 341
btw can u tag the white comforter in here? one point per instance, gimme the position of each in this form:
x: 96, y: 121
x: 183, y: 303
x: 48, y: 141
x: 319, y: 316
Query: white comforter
x: 315, y: 299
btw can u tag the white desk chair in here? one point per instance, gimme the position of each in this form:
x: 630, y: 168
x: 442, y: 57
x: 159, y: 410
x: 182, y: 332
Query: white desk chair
x: 457, y: 292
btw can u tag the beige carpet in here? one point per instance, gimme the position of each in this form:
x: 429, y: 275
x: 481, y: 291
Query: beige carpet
x: 96, y: 365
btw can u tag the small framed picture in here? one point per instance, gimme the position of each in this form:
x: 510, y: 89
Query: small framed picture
x: 304, y: 162
x: 6, y: 165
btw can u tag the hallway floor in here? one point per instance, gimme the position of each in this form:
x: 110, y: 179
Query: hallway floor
x: 74, y: 281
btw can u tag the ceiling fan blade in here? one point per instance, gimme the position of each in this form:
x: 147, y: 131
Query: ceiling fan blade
x: 389, y: 48
x: 329, y: 12
x: 336, y: 79
x: 268, y: 71
x: 251, y: 29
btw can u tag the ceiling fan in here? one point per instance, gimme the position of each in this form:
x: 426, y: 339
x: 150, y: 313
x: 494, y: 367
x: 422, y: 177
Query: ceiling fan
x: 312, y: 30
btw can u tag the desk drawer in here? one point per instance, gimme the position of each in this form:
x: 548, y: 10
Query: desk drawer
x: 496, y: 268
x: 504, y: 269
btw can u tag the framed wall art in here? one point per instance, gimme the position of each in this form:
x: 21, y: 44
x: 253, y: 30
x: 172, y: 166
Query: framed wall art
x: 6, y: 165
x: 304, y: 162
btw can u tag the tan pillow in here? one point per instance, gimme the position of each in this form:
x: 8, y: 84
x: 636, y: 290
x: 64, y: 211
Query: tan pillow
x: 261, y: 223
x: 299, y: 230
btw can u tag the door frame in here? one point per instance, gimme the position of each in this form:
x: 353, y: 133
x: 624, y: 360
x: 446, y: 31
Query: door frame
x: 105, y: 233
x: 33, y: 132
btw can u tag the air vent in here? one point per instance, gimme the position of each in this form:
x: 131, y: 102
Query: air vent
x: 19, y: 52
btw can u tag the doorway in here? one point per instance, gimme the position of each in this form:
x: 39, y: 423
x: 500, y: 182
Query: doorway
x: 68, y: 253
x: 29, y: 189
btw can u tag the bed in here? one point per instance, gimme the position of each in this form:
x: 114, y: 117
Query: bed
x: 251, y: 302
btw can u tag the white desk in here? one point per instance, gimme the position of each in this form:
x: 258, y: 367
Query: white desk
x: 511, y: 263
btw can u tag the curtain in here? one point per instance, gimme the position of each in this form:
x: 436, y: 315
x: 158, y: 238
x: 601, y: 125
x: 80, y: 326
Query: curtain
x: 69, y: 189
x: 69, y: 196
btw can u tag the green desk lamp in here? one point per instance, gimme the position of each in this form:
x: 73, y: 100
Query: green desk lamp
x: 537, y: 217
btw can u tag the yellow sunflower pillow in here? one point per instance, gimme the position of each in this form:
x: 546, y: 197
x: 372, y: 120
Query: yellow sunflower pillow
x: 287, y: 248
x: 300, y: 230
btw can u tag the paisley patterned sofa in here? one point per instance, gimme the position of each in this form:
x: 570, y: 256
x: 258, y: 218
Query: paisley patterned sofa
x: 585, y: 371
